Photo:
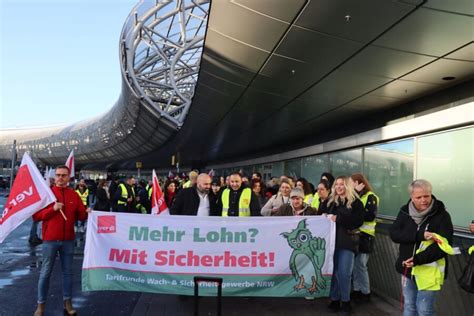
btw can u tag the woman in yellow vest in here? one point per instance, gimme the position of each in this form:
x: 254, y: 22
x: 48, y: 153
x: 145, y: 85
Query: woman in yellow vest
x: 370, y: 201
x: 422, y: 262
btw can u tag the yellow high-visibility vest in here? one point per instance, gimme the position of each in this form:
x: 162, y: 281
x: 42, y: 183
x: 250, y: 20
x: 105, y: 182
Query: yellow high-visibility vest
x: 308, y: 198
x: 124, y: 193
x: 149, y: 189
x: 430, y: 276
x: 244, y: 202
x: 187, y: 184
x: 369, y: 227
x: 315, y: 202
x: 83, y: 196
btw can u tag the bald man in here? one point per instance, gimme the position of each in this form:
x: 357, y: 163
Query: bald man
x: 198, y: 200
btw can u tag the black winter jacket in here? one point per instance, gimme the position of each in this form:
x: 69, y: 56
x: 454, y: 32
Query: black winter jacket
x: 187, y: 203
x: 409, y: 235
x: 348, y: 219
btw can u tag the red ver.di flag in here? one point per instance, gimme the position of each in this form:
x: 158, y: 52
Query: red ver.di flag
x: 70, y: 164
x: 158, y: 203
x: 29, y: 194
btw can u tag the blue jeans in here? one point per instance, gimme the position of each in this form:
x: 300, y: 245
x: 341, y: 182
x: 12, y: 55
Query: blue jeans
x: 50, y: 249
x: 416, y: 302
x: 342, y: 274
x: 361, y: 273
x: 34, y: 230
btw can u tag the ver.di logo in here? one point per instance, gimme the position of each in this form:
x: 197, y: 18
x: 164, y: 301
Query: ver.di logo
x: 106, y: 224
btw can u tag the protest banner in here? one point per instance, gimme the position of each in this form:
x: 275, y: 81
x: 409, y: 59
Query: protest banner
x: 256, y: 256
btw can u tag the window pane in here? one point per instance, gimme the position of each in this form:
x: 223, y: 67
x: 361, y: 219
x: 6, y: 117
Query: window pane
x: 247, y: 171
x: 293, y: 168
x: 389, y: 169
x: 345, y: 163
x: 314, y: 166
x: 446, y: 160
x: 277, y: 169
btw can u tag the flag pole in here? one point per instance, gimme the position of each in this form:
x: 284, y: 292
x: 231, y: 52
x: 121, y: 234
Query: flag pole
x: 12, y: 171
x: 64, y: 216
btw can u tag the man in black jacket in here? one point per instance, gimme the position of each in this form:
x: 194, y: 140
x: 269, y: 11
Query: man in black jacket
x: 416, y: 222
x: 198, y: 200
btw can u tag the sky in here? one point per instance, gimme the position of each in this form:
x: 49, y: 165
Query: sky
x: 59, y: 60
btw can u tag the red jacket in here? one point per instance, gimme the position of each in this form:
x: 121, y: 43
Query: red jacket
x: 54, y: 225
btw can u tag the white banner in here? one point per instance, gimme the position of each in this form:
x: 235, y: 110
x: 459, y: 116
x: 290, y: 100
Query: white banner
x: 255, y: 256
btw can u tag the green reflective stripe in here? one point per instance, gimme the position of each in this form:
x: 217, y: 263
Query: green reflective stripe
x: 244, y: 202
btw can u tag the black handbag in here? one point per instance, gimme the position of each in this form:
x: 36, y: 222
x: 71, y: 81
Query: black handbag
x: 466, y: 281
x: 366, y: 243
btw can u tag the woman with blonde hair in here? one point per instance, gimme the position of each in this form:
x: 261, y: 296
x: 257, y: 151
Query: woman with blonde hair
x: 346, y: 210
x: 282, y: 198
x: 370, y: 201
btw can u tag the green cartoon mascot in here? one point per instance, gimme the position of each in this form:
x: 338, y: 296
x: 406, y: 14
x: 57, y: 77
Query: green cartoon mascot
x: 307, y: 258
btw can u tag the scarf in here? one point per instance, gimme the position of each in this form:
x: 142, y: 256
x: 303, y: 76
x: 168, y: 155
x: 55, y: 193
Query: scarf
x: 169, y: 197
x: 416, y: 215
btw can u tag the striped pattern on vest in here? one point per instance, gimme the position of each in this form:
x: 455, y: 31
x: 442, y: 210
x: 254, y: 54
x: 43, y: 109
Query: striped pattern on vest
x: 430, y: 276
x: 244, y: 202
x: 124, y: 194
x: 83, y: 196
x: 369, y: 227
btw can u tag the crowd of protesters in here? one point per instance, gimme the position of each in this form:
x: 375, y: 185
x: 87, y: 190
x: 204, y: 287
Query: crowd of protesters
x: 350, y: 202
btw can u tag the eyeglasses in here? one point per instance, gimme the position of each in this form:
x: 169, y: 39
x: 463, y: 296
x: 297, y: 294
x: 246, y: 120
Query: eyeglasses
x: 61, y: 175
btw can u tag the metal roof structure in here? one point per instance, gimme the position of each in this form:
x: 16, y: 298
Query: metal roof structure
x: 273, y: 74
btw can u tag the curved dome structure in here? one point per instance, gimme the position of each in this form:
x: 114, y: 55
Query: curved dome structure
x: 274, y: 76
x: 160, y: 50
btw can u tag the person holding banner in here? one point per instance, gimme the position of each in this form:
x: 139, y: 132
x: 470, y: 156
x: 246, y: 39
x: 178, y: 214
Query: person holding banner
x: 58, y: 237
x: 297, y: 207
x: 282, y: 198
x: 347, y: 211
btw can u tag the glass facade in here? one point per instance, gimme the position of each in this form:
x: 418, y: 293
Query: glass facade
x: 345, y: 162
x: 389, y: 169
x: 445, y: 159
x: 314, y: 166
x: 292, y: 168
